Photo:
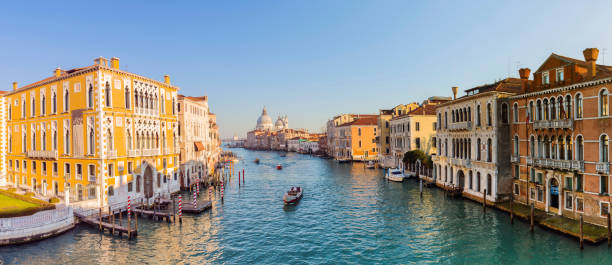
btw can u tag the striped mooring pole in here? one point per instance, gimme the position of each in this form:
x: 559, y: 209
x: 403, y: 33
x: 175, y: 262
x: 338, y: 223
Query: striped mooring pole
x: 210, y: 193
x: 129, y: 209
x: 195, y: 204
x: 198, y: 188
x: 180, y: 211
x: 222, y: 189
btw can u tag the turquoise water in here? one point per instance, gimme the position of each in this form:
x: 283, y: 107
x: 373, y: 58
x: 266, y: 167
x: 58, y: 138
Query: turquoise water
x: 349, y: 215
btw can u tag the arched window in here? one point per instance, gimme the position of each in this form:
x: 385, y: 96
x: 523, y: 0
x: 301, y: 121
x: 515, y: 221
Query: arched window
x: 489, y: 116
x: 33, y: 106
x: 43, y: 105
x: 445, y: 120
x: 55, y: 140
x: 546, y: 147
x: 477, y: 181
x: 109, y: 140
x: 129, y: 140
x: 92, y: 145
x: 136, y: 98
x: 478, y: 146
x: 54, y: 102
x: 489, y: 150
x: 604, y: 109
x: 562, y: 113
x: 34, y: 140
x: 127, y: 97
x: 107, y: 94
x: 579, y: 148
x: 489, y: 184
x: 470, y: 185
x: 539, y: 110
x: 157, y: 139
x: 446, y: 147
x: 23, y: 144
x: 66, y: 100
x: 452, y: 116
x: 578, y: 106
x: 173, y: 106
x: 138, y: 184
x: 67, y: 142
x: 553, y: 109
x: 568, y: 107
x: 478, y: 115
x: 438, y: 125
x: 532, y: 146
x: 568, y: 147
x: 516, y: 145
x: 603, y: 148
x: 546, y: 110
x: 530, y: 112
x: 515, y: 113
x: 561, y: 144
x: 504, y: 113
x: 540, y: 147
x: 469, y: 114
x: 90, y: 96
x: 43, y: 139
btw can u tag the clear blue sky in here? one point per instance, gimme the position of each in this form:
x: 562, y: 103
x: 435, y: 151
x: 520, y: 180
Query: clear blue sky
x: 309, y: 60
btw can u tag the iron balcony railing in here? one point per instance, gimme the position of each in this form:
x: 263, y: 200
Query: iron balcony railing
x: 457, y: 126
x: 553, y: 124
x: 603, y: 167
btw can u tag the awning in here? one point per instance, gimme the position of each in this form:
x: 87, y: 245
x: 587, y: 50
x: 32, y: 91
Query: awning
x: 199, y: 146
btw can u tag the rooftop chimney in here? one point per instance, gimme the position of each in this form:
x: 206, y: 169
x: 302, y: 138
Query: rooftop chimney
x: 14, y: 85
x: 58, y: 72
x: 100, y: 61
x: 524, y: 74
x: 590, y: 56
x: 455, y: 92
x: 115, y: 63
x: 167, y: 79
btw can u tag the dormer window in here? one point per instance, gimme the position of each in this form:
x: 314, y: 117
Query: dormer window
x: 545, y: 78
x: 559, y: 75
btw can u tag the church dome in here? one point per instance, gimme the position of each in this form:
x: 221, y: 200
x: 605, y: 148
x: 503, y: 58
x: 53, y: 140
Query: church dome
x: 279, y: 124
x: 264, y: 122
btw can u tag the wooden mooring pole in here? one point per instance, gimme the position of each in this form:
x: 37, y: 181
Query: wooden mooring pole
x: 511, y: 209
x: 609, y: 238
x: 100, y: 223
x: 484, y: 200
x: 531, y: 218
x: 581, y: 233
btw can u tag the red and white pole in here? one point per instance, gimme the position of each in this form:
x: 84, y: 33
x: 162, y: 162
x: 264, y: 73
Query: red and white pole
x: 129, y: 209
x: 222, y: 189
x: 195, y: 204
x: 180, y: 211
x: 209, y: 193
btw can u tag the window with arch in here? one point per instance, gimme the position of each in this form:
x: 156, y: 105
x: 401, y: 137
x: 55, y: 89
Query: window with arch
x: 603, y: 148
x: 23, y: 143
x: 127, y: 97
x: 545, y: 109
x: 109, y: 140
x: 33, y: 107
x: 43, y: 104
x: 91, y: 143
x: 532, y: 146
x: 516, y: 145
x: 578, y: 106
x: 66, y: 100
x: 580, y: 148
x: 54, y: 102
x: 489, y: 184
x: 540, y: 147
x: 470, y: 185
x: 67, y: 141
x: 515, y: 114
x: 10, y: 111
x: 477, y: 181
x: 43, y: 139
x: 478, y: 153
x: 90, y: 96
x: 553, y: 109
x: 568, y: 147
x: 489, y: 150
x: 530, y: 112
x: 568, y: 107
x: 489, y: 115
x: 445, y: 120
x: 34, y: 139
x: 478, y: 115
x: 107, y: 94
x: 604, y: 109
x: 23, y: 108
x: 129, y: 140
x: 453, y: 116
x: 504, y: 113
x: 55, y: 140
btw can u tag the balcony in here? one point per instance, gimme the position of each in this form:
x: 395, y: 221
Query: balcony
x: 578, y: 165
x: 529, y: 161
x: 603, y: 167
x: 435, y: 158
x: 91, y: 178
x: 150, y: 152
x: 553, y: 124
x: 42, y: 154
x: 514, y: 158
x: 458, y: 126
x: 461, y: 162
x: 558, y: 164
x: 111, y: 154
x: 134, y: 152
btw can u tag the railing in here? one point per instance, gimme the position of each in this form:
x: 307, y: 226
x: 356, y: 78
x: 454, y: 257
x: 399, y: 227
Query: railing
x: 134, y: 152
x: 43, y: 154
x: 91, y: 178
x: 150, y: 152
x: 578, y: 165
x: 553, y: 124
x: 38, y: 223
x: 111, y: 154
x: 558, y: 164
x: 461, y: 162
x: 514, y: 158
x: 603, y: 167
x: 529, y: 160
x: 466, y: 125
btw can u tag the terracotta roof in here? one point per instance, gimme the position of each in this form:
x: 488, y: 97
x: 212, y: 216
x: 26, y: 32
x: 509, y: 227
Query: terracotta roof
x: 363, y: 120
x: 428, y: 109
x: 603, y: 71
x: 201, y: 98
x: 510, y: 84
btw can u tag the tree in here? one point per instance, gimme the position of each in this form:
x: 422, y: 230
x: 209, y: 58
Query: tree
x: 411, y: 157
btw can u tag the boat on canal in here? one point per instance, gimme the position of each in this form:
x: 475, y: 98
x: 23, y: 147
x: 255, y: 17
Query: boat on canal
x: 256, y: 161
x: 370, y: 165
x: 394, y: 174
x: 279, y: 166
x: 293, y: 195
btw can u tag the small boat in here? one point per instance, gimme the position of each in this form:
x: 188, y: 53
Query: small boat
x: 283, y: 155
x: 279, y: 166
x: 370, y: 164
x: 256, y: 161
x: 235, y: 160
x: 293, y: 195
x: 394, y: 174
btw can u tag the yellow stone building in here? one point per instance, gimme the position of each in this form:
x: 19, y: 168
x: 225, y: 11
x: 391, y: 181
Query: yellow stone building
x: 96, y: 132
x: 383, y: 141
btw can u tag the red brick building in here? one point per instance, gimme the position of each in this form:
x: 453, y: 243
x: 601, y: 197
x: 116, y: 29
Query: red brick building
x: 561, y: 128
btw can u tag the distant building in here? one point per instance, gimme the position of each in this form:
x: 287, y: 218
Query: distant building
x: 415, y: 130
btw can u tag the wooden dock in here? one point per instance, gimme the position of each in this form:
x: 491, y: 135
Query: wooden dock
x: 103, y: 223
x: 200, y: 207
x: 154, y: 214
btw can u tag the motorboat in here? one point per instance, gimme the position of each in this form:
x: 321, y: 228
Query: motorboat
x: 394, y: 174
x: 283, y: 155
x: 279, y: 166
x: 293, y: 195
x: 370, y: 164
x: 256, y: 161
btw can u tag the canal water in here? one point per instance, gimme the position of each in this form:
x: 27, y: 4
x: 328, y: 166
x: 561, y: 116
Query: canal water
x: 349, y: 215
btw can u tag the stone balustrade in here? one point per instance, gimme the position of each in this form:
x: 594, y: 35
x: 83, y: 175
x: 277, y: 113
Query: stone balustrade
x: 603, y: 167
x: 553, y: 124
x: 42, y: 154
x: 457, y: 126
